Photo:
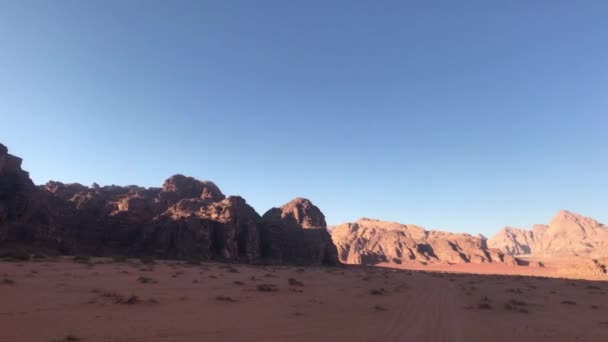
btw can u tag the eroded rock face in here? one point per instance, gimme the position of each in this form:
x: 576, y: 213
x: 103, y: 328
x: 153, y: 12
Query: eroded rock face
x: 370, y: 241
x: 296, y: 233
x: 19, y: 204
x: 568, y: 234
x: 185, y: 218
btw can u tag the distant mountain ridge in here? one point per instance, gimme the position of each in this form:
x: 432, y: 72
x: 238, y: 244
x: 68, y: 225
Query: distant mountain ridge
x: 369, y: 241
x: 568, y: 234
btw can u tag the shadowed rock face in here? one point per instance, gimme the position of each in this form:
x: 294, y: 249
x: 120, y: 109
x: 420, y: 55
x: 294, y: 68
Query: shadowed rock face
x: 297, y: 232
x: 185, y: 218
x: 568, y: 234
x: 369, y: 241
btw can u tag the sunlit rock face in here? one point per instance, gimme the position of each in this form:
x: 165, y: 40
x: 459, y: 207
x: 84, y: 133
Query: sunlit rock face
x: 368, y: 241
x: 568, y: 234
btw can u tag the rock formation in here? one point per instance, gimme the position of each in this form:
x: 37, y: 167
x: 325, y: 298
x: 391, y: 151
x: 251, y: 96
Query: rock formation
x: 297, y: 232
x: 185, y: 218
x: 369, y: 242
x: 568, y: 234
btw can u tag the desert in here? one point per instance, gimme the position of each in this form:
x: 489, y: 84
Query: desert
x: 184, y: 262
x: 298, y: 171
x: 101, y: 299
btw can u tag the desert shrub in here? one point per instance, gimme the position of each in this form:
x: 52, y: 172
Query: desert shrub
x: 568, y: 302
x: 119, y: 258
x: 83, y: 259
x: 294, y: 282
x: 377, y: 292
x: 8, y: 281
x: 225, y: 298
x: 516, y: 302
x: 146, y: 280
x: 238, y: 282
x: 15, y: 255
x: 147, y: 260
x: 266, y: 288
x: 379, y: 308
x: 132, y: 299
x: 484, y: 306
x: 68, y: 338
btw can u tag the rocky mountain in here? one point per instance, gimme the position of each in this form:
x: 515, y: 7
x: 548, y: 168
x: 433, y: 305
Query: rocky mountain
x: 297, y: 231
x: 568, y: 234
x: 185, y: 219
x: 369, y: 242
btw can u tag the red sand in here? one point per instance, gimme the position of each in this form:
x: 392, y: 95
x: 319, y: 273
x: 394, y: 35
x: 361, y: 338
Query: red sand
x: 50, y: 300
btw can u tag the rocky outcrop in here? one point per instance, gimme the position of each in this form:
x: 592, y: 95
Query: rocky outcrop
x: 516, y: 241
x: 185, y: 218
x: 568, y: 234
x: 21, y: 210
x: 370, y: 241
x: 297, y: 232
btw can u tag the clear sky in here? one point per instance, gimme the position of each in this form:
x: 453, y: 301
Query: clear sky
x: 458, y: 115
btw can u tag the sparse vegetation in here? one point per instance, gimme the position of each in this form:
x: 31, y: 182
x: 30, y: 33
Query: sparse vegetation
x: 15, y: 255
x: 484, y: 306
x: 68, y: 338
x: 379, y: 308
x: 118, y: 298
x: 267, y: 288
x: 295, y: 282
x: 8, y: 281
x: 132, y: 299
x: 484, y: 303
x: 238, y: 282
x: 147, y: 260
x: 146, y: 280
x: 377, y: 292
x: 119, y: 258
x: 83, y: 259
x: 568, y: 302
x: 225, y: 298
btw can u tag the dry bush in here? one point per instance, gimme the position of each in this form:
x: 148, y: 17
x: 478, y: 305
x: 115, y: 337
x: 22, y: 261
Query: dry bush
x: 82, y: 259
x: 267, y: 288
x: 8, y: 281
x: 147, y: 260
x: 119, y: 258
x: 68, y: 338
x: 484, y: 303
x: 294, y: 282
x: 377, y: 292
x: 15, y: 255
x: 225, y: 298
x: 120, y: 299
x: 484, y: 306
x: 146, y: 280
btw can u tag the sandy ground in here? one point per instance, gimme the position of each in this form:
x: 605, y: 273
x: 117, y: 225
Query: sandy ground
x: 68, y: 301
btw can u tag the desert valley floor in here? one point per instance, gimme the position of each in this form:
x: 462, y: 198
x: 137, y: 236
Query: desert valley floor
x: 103, y: 300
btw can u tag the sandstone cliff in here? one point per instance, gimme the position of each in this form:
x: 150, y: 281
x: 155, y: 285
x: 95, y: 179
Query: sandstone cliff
x: 185, y: 218
x: 568, y: 234
x: 369, y: 242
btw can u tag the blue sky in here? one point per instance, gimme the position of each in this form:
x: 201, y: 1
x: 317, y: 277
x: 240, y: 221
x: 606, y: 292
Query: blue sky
x: 463, y: 116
